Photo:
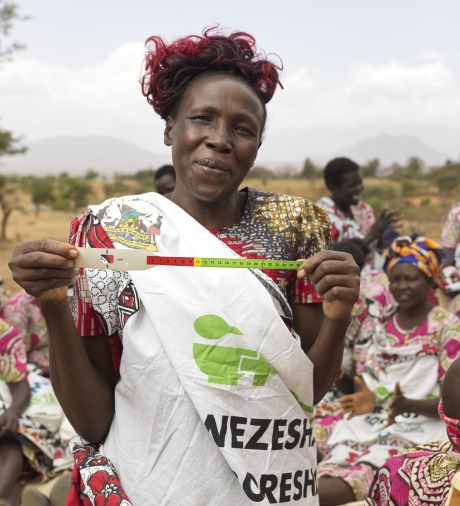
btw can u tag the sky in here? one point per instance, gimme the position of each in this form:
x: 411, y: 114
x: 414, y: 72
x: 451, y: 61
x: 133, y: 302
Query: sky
x: 346, y: 63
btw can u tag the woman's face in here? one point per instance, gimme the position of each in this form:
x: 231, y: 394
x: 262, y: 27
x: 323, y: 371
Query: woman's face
x: 348, y: 192
x: 408, y: 285
x: 215, y: 136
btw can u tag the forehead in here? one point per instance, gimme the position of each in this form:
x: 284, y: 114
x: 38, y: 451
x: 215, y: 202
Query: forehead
x: 351, y: 178
x: 225, y: 92
x: 405, y: 269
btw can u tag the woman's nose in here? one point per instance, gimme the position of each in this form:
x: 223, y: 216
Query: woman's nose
x: 219, y: 139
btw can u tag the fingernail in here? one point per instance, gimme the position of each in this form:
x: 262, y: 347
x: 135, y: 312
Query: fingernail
x: 73, y: 253
x: 301, y: 273
x: 76, y: 271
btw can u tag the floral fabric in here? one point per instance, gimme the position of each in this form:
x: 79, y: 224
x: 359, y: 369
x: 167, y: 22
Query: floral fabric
x: 381, y: 348
x: 450, y: 234
x: 419, y: 476
x: 345, y: 227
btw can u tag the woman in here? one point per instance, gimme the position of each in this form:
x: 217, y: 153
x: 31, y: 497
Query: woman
x: 423, y: 474
x: 350, y: 216
x: 30, y: 416
x: 214, y: 397
x: 404, y: 351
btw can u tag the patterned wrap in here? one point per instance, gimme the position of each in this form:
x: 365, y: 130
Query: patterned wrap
x: 452, y: 426
x: 421, y: 252
x: 419, y: 476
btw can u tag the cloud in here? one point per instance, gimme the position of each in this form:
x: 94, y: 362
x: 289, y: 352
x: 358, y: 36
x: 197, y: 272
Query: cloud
x: 386, y: 94
x: 41, y: 100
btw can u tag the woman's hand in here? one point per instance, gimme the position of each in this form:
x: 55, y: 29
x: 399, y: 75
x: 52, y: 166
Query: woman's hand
x: 387, y: 217
x: 360, y: 402
x: 44, y: 268
x: 9, y: 422
x: 336, y: 278
x: 397, y: 404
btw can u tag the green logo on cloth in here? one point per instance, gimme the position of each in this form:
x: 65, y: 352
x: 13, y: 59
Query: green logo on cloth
x: 224, y: 365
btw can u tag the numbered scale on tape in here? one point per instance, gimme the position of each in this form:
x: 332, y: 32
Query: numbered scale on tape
x: 136, y: 259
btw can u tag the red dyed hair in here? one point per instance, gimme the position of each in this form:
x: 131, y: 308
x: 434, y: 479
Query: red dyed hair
x: 170, y: 68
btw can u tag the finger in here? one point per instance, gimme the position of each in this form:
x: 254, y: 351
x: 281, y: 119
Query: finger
x: 47, y: 246
x: 397, y: 390
x: 311, y: 264
x: 345, y: 296
x: 347, y: 270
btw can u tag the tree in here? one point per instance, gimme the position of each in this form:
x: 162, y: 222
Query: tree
x: 42, y: 192
x: 371, y: 168
x: 9, y: 144
x: 8, y: 203
x: 309, y: 169
x: 9, y: 12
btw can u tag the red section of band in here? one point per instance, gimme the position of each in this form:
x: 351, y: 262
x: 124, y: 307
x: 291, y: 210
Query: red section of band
x: 183, y: 261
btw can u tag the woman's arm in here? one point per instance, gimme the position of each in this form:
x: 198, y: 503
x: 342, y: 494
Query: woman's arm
x: 80, y: 369
x: 322, y: 328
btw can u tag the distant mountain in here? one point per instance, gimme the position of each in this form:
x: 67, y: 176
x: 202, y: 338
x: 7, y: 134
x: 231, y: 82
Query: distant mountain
x: 390, y: 148
x: 320, y: 144
x: 76, y: 155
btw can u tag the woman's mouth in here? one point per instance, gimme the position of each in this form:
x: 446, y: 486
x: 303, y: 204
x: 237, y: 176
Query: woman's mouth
x: 214, y: 165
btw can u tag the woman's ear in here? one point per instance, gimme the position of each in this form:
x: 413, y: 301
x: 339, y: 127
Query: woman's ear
x: 167, y: 132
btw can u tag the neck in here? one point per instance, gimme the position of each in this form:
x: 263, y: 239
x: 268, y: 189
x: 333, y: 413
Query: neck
x: 412, y: 317
x: 345, y: 208
x: 213, y: 214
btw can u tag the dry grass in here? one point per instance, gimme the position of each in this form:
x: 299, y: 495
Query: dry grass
x: 26, y: 225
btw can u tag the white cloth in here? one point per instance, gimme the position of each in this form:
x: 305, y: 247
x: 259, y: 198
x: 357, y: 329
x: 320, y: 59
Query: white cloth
x: 214, y: 389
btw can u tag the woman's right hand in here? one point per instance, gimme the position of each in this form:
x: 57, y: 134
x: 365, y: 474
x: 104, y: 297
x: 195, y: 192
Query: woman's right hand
x: 44, y: 269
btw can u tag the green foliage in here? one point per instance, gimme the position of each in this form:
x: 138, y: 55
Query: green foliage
x: 9, y: 144
x: 378, y: 191
x: 448, y: 183
x: 91, y: 174
x: 77, y: 191
x: 42, y: 191
x: 371, y: 168
x: 310, y: 170
x: 9, y: 13
x: 115, y: 188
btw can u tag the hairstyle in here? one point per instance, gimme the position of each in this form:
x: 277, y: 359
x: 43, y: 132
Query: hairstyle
x: 336, y: 169
x: 170, y: 68
x: 421, y: 252
x: 163, y: 171
x: 358, y: 249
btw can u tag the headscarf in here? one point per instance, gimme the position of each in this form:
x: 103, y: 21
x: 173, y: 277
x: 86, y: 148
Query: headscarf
x: 452, y: 426
x: 421, y: 252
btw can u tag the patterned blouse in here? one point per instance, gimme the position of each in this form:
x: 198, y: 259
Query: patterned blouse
x: 344, y: 227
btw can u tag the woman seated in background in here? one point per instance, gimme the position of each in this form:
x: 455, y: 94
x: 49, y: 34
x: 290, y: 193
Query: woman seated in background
x: 350, y: 216
x: 30, y: 415
x: 423, y: 474
x: 405, y: 351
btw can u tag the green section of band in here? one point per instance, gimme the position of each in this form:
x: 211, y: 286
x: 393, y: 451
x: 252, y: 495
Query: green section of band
x: 237, y: 263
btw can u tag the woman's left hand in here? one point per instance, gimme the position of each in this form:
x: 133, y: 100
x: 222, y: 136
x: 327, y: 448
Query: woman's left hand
x: 9, y: 422
x: 396, y: 404
x: 336, y: 278
x: 360, y: 402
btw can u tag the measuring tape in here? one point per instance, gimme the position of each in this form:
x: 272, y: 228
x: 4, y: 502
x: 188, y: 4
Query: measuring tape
x: 137, y: 259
